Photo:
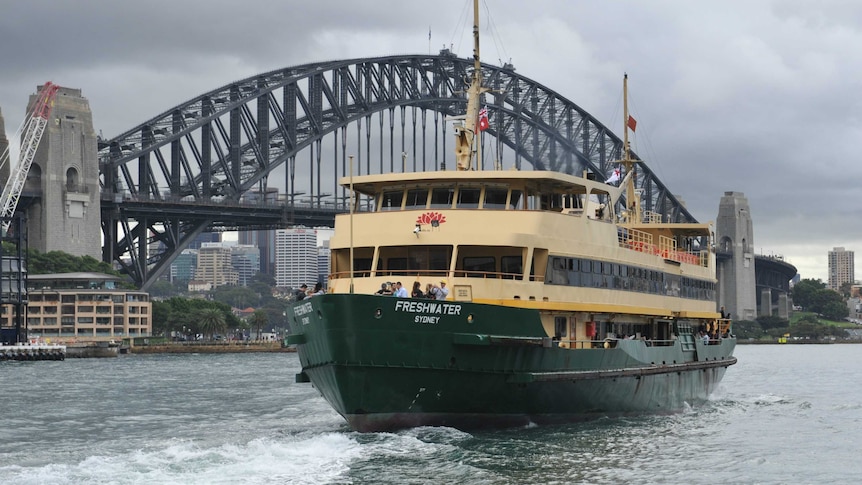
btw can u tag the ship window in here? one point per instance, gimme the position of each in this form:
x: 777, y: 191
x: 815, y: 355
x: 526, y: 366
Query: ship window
x: 391, y: 200
x: 517, y: 200
x: 481, y: 264
x: 441, y: 198
x: 559, y: 327
x: 468, y: 197
x: 416, y: 199
x: 362, y: 264
x: 495, y: 198
x: 512, y: 266
x: 533, y: 201
x: 396, y: 264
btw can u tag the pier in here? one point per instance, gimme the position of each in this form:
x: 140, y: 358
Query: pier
x: 28, y: 351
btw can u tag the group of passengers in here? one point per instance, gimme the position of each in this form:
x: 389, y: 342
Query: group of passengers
x: 432, y: 292
x: 303, y: 292
x: 710, y: 336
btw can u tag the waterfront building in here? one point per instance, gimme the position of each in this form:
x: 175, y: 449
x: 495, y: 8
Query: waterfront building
x: 295, y: 257
x: 214, y: 265
x: 840, y: 268
x: 83, y: 305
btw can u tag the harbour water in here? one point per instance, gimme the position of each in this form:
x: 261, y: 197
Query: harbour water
x: 783, y: 414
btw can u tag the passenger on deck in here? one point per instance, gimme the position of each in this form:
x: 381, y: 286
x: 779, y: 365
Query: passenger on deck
x: 318, y: 290
x: 429, y: 291
x: 300, y: 294
x: 400, y: 291
x: 704, y: 337
x: 417, y: 290
x: 441, y: 292
x: 383, y: 290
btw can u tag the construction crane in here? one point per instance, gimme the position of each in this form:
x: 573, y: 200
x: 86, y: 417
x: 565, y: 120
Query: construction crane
x: 30, y: 135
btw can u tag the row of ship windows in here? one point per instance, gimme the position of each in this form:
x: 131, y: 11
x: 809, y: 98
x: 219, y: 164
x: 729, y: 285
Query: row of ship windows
x: 495, y: 196
x: 600, y: 274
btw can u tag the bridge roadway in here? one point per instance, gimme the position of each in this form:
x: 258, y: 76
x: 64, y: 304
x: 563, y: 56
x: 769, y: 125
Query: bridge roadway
x: 185, y: 170
x: 772, y: 277
x: 219, y: 215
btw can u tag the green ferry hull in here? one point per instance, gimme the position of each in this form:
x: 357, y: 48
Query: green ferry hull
x: 387, y: 363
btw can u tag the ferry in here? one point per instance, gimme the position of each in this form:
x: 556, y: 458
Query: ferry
x: 551, y: 299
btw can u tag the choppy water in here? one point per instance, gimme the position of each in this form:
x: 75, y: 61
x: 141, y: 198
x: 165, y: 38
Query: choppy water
x: 783, y: 414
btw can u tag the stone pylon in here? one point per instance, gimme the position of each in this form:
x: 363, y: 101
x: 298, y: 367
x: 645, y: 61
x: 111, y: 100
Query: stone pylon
x: 64, y: 181
x: 4, y: 154
x: 735, y: 255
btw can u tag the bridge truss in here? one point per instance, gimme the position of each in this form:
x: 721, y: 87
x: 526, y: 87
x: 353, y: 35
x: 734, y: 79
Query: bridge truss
x: 202, y: 165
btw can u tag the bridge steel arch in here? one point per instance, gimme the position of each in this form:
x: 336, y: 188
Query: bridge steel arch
x: 187, y: 170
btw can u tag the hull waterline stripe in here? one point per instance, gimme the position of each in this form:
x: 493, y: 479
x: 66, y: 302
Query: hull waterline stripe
x: 578, y: 375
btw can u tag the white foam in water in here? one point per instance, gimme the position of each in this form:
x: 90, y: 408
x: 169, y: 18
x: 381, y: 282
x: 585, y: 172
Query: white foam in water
x: 318, y: 459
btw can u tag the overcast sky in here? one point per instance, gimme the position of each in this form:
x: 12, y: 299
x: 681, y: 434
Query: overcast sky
x: 754, y: 96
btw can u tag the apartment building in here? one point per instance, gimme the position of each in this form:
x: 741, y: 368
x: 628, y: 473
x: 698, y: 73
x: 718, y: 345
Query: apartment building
x: 82, y: 305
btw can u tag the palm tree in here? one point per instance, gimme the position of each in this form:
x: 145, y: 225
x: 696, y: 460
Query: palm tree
x: 259, y: 320
x: 210, y: 321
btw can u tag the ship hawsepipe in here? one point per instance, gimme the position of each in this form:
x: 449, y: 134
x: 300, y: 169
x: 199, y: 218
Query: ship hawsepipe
x: 387, y: 363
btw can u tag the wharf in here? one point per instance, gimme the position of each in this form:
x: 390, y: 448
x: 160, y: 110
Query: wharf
x: 209, y: 348
x: 32, y: 351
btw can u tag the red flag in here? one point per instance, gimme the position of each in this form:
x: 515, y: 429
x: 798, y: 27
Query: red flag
x: 631, y: 123
x: 484, y: 124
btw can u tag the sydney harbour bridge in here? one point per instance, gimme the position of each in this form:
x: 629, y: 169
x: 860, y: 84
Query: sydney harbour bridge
x: 204, y: 165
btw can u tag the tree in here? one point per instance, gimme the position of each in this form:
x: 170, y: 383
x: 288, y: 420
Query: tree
x: 258, y: 321
x: 236, y: 296
x: 845, y: 289
x: 161, y: 318
x: 264, y: 278
x: 835, y: 310
x: 804, y: 291
x: 746, y: 329
x: 62, y: 262
x: 768, y: 323
x: 210, y: 322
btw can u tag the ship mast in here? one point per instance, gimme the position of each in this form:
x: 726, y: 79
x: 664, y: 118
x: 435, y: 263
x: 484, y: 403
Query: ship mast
x: 466, y: 134
x: 632, y: 198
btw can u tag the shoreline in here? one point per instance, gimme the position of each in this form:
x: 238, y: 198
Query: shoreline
x: 209, y: 348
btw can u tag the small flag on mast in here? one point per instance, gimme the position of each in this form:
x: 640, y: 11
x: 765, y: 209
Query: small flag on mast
x: 484, y: 124
x: 614, y: 176
x: 631, y: 123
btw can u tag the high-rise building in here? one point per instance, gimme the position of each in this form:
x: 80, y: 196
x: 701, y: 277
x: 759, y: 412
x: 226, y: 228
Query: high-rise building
x: 295, y: 257
x: 323, y: 255
x: 246, y: 262
x: 204, y: 237
x: 184, y: 266
x: 214, y: 265
x: 840, y: 268
x: 263, y: 239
